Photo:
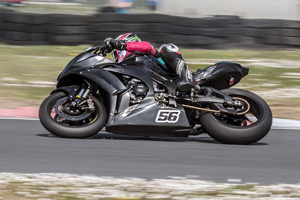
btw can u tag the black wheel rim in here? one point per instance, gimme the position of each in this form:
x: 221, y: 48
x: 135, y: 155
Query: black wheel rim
x: 252, y: 117
x: 81, y: 122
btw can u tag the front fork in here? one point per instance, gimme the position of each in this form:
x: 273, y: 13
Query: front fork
x: 80, y: 96
x: 83, y: 93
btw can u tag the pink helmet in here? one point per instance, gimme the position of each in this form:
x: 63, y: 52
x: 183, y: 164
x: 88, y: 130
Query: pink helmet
x: 118, y: 55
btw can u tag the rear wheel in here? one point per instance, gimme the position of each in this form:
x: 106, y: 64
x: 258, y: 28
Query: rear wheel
x: 240, y: 129
x: 60, y: 117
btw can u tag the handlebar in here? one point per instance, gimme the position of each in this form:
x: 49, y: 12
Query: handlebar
x: 100, y: 50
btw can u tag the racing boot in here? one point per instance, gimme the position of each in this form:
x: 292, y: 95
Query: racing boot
x: 173, y: 58
x: 187, y: 82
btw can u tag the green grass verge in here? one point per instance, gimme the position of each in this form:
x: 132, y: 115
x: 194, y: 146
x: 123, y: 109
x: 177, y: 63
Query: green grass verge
x: 31, y: 64
x: 242, y: 54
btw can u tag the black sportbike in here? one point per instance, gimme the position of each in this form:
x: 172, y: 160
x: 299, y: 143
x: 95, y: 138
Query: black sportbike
x: 139, y: 96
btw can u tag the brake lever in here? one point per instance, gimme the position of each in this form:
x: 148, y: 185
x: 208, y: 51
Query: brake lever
x: 97, y: 49
x: 103, y: 53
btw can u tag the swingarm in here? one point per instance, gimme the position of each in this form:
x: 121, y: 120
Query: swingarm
x: 214, y: 101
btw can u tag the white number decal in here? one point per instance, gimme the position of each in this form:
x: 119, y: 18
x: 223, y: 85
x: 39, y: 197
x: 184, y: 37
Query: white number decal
x: 167, y: 116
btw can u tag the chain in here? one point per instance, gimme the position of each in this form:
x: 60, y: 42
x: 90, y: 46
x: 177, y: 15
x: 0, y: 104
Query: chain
x: 206, y: 109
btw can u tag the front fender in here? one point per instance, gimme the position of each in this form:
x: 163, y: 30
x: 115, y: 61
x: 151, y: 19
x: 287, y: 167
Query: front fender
x: 68, y: 90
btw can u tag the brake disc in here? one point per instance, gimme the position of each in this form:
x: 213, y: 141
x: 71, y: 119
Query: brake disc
x: 64, y: 109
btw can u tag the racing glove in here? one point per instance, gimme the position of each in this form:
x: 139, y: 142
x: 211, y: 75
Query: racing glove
x: 115, y: 44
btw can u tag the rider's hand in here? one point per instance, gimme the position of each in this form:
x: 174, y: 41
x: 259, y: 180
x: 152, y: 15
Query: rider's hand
x: 108, y: 44
x: 115, y: 44
x: 108, y: 41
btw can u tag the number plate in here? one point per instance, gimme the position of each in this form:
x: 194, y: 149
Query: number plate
x: 167, y: 116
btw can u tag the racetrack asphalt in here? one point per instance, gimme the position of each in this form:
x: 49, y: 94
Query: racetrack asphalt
x: 26, y: 147
x: 32, y: 113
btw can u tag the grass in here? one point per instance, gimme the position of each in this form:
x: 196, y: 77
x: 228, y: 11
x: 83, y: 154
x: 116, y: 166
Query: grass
x: 242, y: 54
x: 31, y: 64
x: 35, y: 189
x: 269, y: 71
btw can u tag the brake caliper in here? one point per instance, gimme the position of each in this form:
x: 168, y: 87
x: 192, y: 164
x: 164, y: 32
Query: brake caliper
x: 91, y: 104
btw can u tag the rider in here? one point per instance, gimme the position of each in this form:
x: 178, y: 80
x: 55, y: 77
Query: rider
x: 130, y: 45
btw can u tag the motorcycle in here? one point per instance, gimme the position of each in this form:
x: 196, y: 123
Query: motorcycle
x: 139, y: 96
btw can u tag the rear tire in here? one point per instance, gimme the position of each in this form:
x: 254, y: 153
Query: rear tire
x: 61, y: 130
x: 226, y: 133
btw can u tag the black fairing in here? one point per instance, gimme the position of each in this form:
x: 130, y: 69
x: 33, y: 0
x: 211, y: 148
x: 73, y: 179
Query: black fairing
x: 80, y: 62
x: 222, y: 75
x: 123, y: 118
x: 142, y: 118
x: 152, y: 65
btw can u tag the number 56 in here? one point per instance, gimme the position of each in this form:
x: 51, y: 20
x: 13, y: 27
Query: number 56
x: 167, y: 116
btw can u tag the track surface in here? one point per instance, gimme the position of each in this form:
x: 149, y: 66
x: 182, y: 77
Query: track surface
x: 26, y: 147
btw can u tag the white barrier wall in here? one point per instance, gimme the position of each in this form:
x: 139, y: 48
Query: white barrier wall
x: 256, y: 9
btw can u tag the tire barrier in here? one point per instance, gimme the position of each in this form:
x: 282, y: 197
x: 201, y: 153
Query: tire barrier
x: 209, y: 32
x: 150, y: 27
x: 23, y: 28
x: 284, y: 33
x: 68, y: 29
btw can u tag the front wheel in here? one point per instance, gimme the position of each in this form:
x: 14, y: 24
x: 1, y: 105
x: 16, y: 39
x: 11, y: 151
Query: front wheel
x: 243, y: 129
x: 60, y: 117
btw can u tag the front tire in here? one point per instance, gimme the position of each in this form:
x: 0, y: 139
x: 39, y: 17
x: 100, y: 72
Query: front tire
x: 240, y: 130
x: 66, y: 129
